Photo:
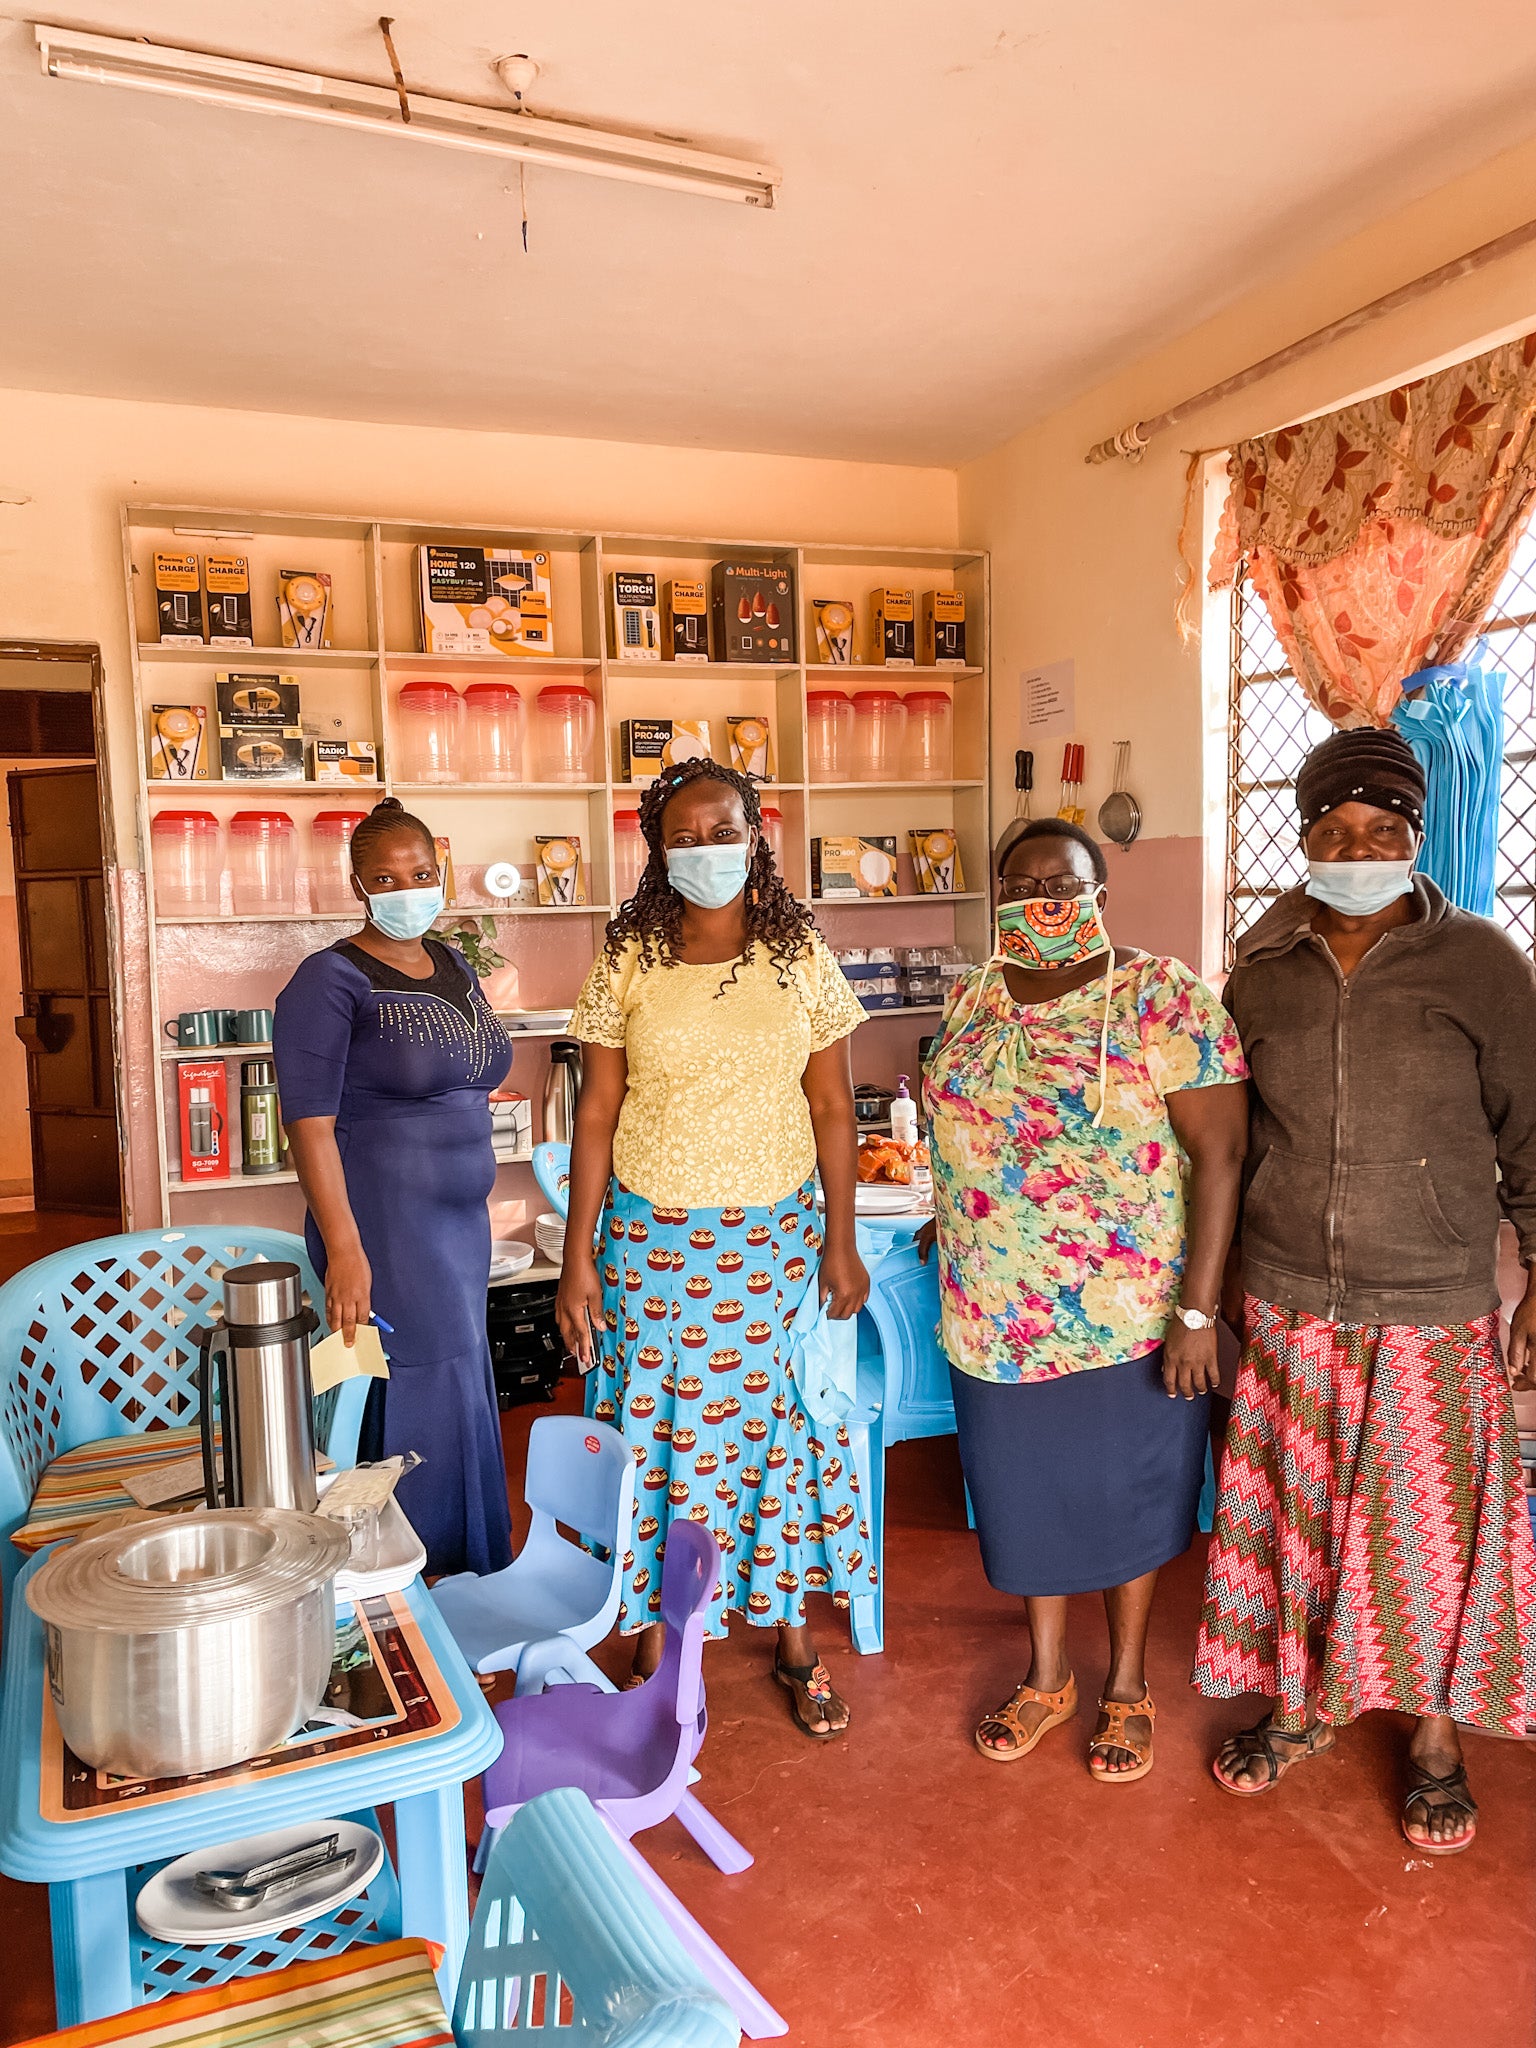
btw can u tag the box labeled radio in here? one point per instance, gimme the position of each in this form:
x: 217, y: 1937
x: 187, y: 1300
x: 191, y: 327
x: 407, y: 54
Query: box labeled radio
x: 685, y: 627
x: 227, y: 580
x: 178, y: 743
x: 493, y: 600
x: 892, y: 628
x: 648, y: 745
x: 847, y: 867
x: 754, y: 611
x: 179, y: 600
x: 203, y: 1114
x: 342, y: 761
x: 636, y: 616
x: 943, y: 636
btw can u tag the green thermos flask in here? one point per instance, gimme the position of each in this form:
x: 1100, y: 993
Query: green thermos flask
x: 261, y: 1143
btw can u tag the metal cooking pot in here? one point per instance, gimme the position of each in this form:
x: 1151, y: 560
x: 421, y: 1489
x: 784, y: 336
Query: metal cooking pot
x: 192, y: 1644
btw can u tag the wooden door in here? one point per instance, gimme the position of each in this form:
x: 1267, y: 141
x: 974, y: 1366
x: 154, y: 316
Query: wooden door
x: 66, y: 1021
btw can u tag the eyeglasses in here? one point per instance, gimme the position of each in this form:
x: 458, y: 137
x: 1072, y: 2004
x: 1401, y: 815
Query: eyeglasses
x: 1043, y: 888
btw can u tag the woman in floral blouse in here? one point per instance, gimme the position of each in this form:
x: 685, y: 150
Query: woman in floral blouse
x: 1087, y: 1132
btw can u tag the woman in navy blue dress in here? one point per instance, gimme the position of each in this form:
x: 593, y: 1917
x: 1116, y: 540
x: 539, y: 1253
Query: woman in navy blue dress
x: 386, y: 1055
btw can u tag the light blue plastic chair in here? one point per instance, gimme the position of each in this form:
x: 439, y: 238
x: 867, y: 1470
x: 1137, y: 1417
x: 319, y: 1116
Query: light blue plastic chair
x: 565, y: 1938
x: 579, y: 1474
x: 95, y: 1342
x: 552, y: 1171
x: 903, y: 1311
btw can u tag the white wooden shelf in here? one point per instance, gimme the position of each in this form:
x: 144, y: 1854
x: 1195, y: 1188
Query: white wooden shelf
x: 907, y: 788
x: 508, y: 665
x: 819, y: 671
x: 894, y: 902
x: 765, y: 788
x: 259, y: 917
x: 274, y: 657
x: 499, y: 788
x: 541, y: 1269
x: 907, y: 1010
x: 511, y: 1156
x: 177, y: 1186
x: 217, y: 1052
x: 711, y: 671
x: 253, y: 792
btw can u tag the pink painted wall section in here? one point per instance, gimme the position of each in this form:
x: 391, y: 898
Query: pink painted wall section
x: 1155, y: 896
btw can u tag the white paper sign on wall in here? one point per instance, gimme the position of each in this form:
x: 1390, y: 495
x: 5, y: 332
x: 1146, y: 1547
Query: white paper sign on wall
x: 1048, y: 701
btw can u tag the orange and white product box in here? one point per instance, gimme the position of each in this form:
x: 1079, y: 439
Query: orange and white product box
x: 892, y: 628
x: 685, y: 623
x: 943, y: 637
x: 491, y: 600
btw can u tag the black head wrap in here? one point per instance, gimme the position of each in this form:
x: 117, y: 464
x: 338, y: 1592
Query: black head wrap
x: 1368, y: 765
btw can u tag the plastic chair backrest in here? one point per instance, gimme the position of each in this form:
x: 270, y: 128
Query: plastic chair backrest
x: 559, y: 1907
x: 904, y: 1308
x: 552, y: 1171
x: 579, y: 1473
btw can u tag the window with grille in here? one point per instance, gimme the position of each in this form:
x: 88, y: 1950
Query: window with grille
x: 1271, y: 727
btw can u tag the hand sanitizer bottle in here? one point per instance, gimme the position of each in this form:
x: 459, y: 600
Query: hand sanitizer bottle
x: 903, y: 1114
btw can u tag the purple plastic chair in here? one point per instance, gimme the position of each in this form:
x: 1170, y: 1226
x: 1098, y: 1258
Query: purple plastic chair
x: 630, y: 1752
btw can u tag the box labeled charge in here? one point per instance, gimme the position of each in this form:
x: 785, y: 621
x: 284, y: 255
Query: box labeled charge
x: 227, y: 580
x: 754, y: 611
x: 636, y: 616
x: 649, y: 745
x: 179, y: 600
x: 848, y: 867
x: 943, y: 638
x: 492, y: 600
x: 685, y: 626
x: 178, y: 743
x: 892, y: 628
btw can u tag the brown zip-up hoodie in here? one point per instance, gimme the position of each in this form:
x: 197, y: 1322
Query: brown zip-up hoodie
x: 1394, y: 1114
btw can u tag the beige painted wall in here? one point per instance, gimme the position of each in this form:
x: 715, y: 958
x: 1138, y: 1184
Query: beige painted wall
x: 1085, y: 561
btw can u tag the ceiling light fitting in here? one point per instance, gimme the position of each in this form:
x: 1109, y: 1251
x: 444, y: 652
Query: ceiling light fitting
x: 455, y: 124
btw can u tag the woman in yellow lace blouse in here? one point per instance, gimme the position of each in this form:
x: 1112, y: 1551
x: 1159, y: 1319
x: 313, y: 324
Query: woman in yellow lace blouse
x: 716, y: 1082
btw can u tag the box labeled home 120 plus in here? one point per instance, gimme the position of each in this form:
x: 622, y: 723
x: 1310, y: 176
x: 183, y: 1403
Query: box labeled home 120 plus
x: 754, y: 611
x: 493, y: 600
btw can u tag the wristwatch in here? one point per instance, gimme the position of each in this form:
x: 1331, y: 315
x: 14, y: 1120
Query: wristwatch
x: 1192, y: 1319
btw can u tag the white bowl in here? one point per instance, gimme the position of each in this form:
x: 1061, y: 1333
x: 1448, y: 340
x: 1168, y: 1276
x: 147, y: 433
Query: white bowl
x: 549, y: 1236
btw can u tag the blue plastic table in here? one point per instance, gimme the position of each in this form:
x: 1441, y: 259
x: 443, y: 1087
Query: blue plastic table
x: 90, y: 1865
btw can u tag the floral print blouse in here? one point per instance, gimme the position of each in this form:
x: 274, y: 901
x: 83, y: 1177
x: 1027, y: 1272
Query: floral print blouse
x: 1061, y: 1247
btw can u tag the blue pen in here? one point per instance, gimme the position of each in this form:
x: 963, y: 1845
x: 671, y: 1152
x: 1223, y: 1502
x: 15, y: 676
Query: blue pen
x: 387, y: 1328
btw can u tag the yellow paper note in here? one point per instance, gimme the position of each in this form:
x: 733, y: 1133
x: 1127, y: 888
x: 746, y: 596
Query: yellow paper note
x: 330, y: 1361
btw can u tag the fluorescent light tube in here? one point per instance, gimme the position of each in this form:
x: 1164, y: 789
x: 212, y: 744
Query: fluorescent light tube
x: 345, y: 103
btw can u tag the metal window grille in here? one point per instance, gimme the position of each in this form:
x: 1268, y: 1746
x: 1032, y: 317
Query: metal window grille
x: 1271, y: 727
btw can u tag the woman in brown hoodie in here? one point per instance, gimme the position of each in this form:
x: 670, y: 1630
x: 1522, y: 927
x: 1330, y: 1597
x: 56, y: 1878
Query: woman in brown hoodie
x: 1372, y: 1547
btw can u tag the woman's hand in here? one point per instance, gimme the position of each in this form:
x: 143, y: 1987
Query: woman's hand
x: 844, y: 1282
x: 927, y: 1238
x: 579, y: 1307
x: 348, y: 1292
x: 1522, y: 1339
x: 1190, y: 1365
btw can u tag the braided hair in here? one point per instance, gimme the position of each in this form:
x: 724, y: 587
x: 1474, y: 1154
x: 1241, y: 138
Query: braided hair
x: 387, y: 817
x: 654, y: 914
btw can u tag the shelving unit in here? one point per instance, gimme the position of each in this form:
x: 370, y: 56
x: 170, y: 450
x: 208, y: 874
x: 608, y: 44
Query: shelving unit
x: 196, y: 961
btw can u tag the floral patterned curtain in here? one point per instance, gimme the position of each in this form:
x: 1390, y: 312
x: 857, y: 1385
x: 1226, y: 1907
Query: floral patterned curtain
x: 1378, y: 535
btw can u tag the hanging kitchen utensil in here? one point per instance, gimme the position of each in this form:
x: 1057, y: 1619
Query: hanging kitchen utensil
x: 1023, y: 784
x: 1120, y: 814
x: 1071, y: 807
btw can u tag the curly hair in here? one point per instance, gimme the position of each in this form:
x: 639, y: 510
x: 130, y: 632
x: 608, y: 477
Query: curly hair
x: 654, y: 914
x: 387, y: 817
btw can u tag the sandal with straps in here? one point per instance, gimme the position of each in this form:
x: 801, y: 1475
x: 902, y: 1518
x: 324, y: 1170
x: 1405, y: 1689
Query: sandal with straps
x: 813, y: 1682
x: 1060, y: 1706
x: 1259, y: 1741
x: 1117, y: 1713
x: 1435, y: 1794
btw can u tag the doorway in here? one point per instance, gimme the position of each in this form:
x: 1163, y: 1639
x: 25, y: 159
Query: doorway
x: 60, y: 1144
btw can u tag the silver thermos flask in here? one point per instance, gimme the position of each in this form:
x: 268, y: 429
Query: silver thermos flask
x: 562, y: 1085
x: 262, y: 1353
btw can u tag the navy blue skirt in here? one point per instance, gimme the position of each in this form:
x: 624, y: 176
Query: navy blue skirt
x: 1081, y: 1482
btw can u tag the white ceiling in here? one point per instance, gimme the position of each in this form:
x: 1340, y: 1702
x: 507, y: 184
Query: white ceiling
x: 987, y: 206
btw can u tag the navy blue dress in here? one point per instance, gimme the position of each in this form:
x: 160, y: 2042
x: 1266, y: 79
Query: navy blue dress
x: 406, y: 1073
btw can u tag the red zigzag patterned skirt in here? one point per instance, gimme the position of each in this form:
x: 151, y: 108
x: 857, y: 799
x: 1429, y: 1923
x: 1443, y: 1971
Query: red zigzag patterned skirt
x: 1372, y: 1546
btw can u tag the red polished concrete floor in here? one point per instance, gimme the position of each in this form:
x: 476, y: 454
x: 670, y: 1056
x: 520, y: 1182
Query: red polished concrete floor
x: 908, y: 1894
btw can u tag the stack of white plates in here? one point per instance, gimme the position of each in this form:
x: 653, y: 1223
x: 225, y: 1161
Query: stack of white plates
x: 509, y: 1257
x: 549, y: 1236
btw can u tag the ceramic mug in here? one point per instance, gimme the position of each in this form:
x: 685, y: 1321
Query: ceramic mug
x: 249, y: 1027
x: 197, y: 1027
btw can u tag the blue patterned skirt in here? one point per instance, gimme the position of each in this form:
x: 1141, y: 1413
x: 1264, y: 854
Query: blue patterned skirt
x: 698, y: 1306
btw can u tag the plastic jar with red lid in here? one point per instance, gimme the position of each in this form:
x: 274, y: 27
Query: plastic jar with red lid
x: 565, y: 726
x: 330, y: 840
x: 930, y: 754
x: 494, y: 739
x: 184, y: 849
x: 262, y: 862
x: 429, y: 736
x: 829, y: 735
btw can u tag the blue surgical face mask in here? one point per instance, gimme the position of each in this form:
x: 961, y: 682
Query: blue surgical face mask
x: 709, y: 876
x: 406, y: 913
x: 1358, y: 888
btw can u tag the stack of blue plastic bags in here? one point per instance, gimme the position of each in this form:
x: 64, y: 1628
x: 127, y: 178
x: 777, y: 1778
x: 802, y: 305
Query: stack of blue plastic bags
x: 1454, y: 723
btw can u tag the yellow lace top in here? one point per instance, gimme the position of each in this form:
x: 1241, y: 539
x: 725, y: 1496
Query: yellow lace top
x: 715, y: 1116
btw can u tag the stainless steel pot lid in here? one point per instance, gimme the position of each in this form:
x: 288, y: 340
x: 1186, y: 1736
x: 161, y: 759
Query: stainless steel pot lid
x: 217, y: 1565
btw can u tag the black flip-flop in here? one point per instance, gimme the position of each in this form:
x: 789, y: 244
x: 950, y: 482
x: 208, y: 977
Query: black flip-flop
x: 1454, y: 1796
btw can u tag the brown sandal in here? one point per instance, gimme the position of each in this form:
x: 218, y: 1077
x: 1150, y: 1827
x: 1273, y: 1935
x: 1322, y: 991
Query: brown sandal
x: 1439, y: 1794
x: 1061, y: 1707
x: 1248, y: 1744
x: 1117, y: 1713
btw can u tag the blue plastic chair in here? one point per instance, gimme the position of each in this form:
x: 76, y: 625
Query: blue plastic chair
x: 552, y: 1171
x: 94, y: 1342
x: 560, y: 1911
x: 903, y: 1309
x: 579, y: 1474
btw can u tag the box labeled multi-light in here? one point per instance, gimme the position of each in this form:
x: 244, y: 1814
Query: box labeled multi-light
x: 943, y: 636
x: 649, y: 745
x: 754, y: 611
x: 636, y: 616
x: 685, y: 623
x: 493, y: 600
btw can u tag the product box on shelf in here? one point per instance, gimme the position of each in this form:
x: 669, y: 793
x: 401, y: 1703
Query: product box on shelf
x: 834, y: 630
x: 512, y: 1120
x: 943, y: 641
x: 342, y: 760
x: 636, y: 616
x: 849, y: 867
x: 751, y: 740
x: 936, y: 861
x: 494, y: 600
x: 202, y: 1098
x: 304, y: 607
x: 876, y: 983
x: 686, y: 621
x: 561, y: 877
x: 178, y: 743
x: 444, y: 854
x: 754, y: 611
x: 261, y: 736
x: 227, y: 579
x: 257, y: 697
x: 892, y: 628
x: 179, y: 600
x: 648, y: 745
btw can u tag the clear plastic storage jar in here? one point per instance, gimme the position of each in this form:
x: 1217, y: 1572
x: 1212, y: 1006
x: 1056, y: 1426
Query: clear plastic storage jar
x: 430, y: 742
x: 261, y: 859
x: 879, y: 724
x: 930, y: 736
x: 330, y: 847
x: 829, y: 735
x: 185, y: 848
x: 629, y: 854
x: 494, y: 741
x: 773, y: 832
x: 565, y: 725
